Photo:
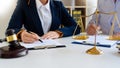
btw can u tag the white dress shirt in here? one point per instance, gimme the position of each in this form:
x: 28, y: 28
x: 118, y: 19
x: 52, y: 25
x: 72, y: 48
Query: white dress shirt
x: 44, y: 13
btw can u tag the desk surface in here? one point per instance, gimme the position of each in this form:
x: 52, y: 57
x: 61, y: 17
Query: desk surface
x: 73, y: 56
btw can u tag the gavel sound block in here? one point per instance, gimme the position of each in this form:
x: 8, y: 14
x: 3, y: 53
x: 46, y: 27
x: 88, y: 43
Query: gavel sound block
x: 14, y: 49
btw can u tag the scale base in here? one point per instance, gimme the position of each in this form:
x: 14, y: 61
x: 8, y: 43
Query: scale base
x: 114, y: 38
x: 81, y: 37
x: 94, y: 51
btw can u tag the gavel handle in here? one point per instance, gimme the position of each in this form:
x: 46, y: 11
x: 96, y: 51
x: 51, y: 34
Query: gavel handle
x: 2, y: 40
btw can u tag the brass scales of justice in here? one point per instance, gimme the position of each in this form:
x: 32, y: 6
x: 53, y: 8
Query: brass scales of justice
x: 95, y: 50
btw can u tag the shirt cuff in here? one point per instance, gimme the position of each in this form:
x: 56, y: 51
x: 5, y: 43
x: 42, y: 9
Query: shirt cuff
x: 19, y: 34
x: 60, y: 33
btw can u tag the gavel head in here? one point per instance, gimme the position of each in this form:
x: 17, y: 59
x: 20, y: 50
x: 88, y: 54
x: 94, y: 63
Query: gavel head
x: 11, y: 38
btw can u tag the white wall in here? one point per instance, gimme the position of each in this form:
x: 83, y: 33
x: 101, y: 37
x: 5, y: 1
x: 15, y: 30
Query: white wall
x: 6, y: 9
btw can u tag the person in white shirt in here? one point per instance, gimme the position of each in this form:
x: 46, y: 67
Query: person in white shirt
x: 105, y: 21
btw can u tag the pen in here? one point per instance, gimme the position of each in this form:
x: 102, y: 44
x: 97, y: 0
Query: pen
x: 38, y: 39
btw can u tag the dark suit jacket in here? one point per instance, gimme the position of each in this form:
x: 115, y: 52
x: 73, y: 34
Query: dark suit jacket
x: 27, y: 16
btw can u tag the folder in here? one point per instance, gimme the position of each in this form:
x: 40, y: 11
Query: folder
x: 92, y: 44
x: 46, y: 47
x: 101, y: 41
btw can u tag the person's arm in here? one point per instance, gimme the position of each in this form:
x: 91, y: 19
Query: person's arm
x: 16, y: 23
x: 93, y: 24
x: 92, y: 29
x: 68, y: 22
x: 17, y: 17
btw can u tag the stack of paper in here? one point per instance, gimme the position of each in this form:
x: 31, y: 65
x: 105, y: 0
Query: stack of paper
x: 38, y: 44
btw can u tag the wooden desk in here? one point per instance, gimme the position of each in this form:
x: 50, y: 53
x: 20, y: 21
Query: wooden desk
x: 73, y: 56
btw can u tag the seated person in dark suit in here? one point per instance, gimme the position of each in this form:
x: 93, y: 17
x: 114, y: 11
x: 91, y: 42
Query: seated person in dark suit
x: 43, y: 19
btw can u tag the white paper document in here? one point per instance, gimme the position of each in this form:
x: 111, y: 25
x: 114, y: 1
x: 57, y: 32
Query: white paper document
x: 48, y: 42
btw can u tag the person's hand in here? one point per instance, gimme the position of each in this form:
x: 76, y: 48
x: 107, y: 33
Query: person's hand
x: 92, y: 29
x: 116, y: 35
x: 29, y: 37
x: 51, y: 35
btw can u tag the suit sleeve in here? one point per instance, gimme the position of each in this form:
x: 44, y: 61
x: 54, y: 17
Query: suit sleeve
x: 68, y: 22
x: 17, y: 17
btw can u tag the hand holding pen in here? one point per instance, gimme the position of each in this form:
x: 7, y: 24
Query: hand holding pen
x: 30, y: 37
